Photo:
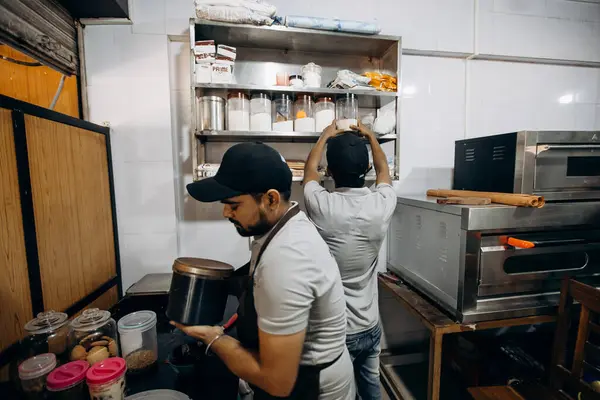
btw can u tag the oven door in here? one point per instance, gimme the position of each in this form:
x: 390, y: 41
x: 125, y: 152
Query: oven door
x: 505, y: 269
x: 567, y: 166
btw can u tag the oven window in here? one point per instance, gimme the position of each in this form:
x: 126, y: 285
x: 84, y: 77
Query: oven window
x: 583, y: 166
x: 546, y: 262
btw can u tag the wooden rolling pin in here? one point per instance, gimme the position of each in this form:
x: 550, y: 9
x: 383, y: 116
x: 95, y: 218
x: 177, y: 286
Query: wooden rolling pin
x: 511, y: 199
x: 467, y: 201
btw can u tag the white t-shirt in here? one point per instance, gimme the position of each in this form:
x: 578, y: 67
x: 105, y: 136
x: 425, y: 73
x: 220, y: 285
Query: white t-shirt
x: 297, y: 286
x: 354, y: 222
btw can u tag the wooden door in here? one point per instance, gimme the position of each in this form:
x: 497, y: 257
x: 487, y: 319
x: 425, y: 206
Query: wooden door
x: 15, y: 301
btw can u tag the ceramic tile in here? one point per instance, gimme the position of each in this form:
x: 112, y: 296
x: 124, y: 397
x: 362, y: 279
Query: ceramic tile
x: 597, y: 119
x: 178, y: 14
x: 142, y: 55
x: 529, y: 7
x: 585, y: 116
x: 179, y: 65
x: 148, y: 16
x: 99, y: 41
x: 563, y: 9
x: 590, y: 12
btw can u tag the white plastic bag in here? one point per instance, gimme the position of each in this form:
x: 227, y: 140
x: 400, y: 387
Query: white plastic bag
x: 236, y: 15
x: 256, y: 6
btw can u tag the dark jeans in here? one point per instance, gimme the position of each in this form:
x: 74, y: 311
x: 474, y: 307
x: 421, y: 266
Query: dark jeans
x: 364, y: 348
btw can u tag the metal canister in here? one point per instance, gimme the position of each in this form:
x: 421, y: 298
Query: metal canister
x: 199, y: 291
x: 210, y: 113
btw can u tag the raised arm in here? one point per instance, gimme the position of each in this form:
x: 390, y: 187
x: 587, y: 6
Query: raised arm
x: 379, y: 159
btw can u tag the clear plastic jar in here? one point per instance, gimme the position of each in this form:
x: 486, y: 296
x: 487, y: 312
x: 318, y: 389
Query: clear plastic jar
x: 282, y: 113
x: 324, y: 113
x: 67, y: 382
x: 33, y: 373
x: 304, y: 114
x: 311, y: 73
x: 106, y: 379
x: 346, y: 110
x: 238, y: 112
x: 260, y: 112
x: 48, y: 333
x: 138, y: 340
x: 93, y: 336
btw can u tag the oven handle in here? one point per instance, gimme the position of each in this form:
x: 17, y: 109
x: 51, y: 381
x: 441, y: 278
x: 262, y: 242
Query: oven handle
x: 548, y: 147
x: 530, y: 244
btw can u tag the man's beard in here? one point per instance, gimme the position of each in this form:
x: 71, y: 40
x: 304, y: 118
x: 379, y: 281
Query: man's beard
x: 260, y: 228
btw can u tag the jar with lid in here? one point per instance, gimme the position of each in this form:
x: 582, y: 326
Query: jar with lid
x: 304, y: 113
x: 238, y: 112
x: 33, y: 373
x: 93, y: 336
x: 311, y: 73
x: 210, y: 113
x: 139, y: 343
x: 68, y: 382
x: 346, y: 110
x: 48, y: 333
x: 260, y: 112
x: 324, y: 113
x: 282, y: 113
x: 106, y: 379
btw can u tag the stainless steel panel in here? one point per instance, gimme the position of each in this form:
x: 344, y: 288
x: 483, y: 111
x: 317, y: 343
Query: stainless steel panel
x: 151, y: 284
x: 552, y: 167
x: 568, y: 137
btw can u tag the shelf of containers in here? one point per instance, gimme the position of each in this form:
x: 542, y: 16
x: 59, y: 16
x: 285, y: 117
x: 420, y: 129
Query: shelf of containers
x: 262, y: 51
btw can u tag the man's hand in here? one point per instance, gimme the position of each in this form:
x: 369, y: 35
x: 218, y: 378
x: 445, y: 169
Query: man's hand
x: 332, y: 130
x: 203, y: 333
x: 362, y: 130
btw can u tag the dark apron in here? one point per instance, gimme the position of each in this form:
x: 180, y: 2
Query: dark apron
x: 307, y: 381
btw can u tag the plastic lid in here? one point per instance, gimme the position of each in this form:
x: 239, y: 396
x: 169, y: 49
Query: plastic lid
x: 137, y: 321
x: 202, y: 267
x: 324, y: 99
x: 260, y: 95
x: 106, y: 371
x: 37, y: 366
x: 45, y: 322
x: 237, y: 95
x: 295, y: 77
x: 90, y: 319
x: 159, y: 394
x: 67, y: 375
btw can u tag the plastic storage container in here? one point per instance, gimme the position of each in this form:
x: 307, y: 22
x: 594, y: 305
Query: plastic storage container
x: 139, y: 345
x: 260, y: 112
x: 282, y: 113
x: 311, y: 73
x: 93, y: 336
x: 238, y: 112
x: 33, y: 373
x: 296, y: 81
x: 48, y: 333
x: 210, y: 113
x: 304, y: 114
x: 346, y: 110
x: 106, y: 379
x: 67, y: 382
x: 324, y: 113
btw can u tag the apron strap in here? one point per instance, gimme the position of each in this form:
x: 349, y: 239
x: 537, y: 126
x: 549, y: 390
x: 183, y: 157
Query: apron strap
x: 292, y: 212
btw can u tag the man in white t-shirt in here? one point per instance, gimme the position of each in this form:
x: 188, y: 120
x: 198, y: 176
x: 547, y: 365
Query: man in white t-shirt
x: 353, y: 220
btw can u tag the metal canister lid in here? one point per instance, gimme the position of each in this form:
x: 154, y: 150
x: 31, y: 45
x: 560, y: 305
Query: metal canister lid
x: 91, y: 319
x: 48, y: 321
x: 211, y: 98
x: 202, y: 267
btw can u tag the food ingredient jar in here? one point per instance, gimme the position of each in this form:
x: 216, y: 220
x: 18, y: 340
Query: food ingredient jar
x: 48, y: 333
x: 296, y: 81
x: 312, y: 75
x: 93, y: 336
x: 106, y: 379
x: 260, y: 112
x: 238, y: 112
x: 282, y: 113
x: 67, y: 382
x: 210, y: 113
x: 346, y: 110
x: 139, y: 343
x: 33, y: 373
x: 324, y: 113
x: 199, y: 291
x: 304, y: 113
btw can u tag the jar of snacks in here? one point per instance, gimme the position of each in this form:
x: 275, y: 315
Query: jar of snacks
x: 33, y: 373
x: 106, y: 379
x: 93, y: 336
x: 67, y: 382
x: 48, y: 333
x: 139, y: 342
x: 304, y: 114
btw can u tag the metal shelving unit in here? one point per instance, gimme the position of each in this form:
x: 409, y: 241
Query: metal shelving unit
x: 264, y: 51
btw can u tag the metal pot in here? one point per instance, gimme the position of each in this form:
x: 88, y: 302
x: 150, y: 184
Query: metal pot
x: 199, y: 291
x: 210, y: 113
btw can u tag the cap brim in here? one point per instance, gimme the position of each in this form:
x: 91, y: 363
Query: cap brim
x: 208, y: 190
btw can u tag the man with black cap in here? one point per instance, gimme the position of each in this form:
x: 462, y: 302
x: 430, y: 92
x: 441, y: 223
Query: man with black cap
x: 354, y: 220
x: 292, y: 315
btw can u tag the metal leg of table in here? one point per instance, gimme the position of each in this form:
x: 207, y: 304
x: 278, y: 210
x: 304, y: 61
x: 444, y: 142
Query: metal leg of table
x: 435, y: 365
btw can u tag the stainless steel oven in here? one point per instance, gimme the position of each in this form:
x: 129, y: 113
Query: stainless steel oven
x: 559, y: 165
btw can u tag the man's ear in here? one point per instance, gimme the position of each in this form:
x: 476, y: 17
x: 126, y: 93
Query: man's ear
x: 273, y: 198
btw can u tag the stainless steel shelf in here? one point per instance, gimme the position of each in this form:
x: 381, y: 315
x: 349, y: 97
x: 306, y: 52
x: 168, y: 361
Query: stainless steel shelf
x: 295, y: 39
x: 307, y: 137
x: 292, y: 90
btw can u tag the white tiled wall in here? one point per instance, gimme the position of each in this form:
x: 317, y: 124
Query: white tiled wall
x: 138, y: 82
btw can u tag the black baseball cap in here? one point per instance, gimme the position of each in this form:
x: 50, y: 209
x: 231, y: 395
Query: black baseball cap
x: 246, y: 168
x: 347, y: 155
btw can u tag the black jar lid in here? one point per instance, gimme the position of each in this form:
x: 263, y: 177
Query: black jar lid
x: 202, y: 267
